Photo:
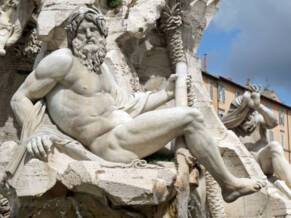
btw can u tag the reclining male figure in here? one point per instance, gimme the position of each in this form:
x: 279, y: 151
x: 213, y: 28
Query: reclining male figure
x: 85, y: 102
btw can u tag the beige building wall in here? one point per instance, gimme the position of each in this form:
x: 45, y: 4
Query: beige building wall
x: 223, y: 91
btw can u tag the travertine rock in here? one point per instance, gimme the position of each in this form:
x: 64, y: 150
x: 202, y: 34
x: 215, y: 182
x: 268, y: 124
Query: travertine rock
x: 238, y: 160
x: 132, y: 185
x: 142, y: 16
x: 152, y: 193
x: 129, y: 63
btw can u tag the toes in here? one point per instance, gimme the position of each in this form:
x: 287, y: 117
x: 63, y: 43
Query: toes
x: 261, y: 184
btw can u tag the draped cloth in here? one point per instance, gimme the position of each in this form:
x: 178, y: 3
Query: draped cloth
x: 135, y: 103
x: 237, y: 113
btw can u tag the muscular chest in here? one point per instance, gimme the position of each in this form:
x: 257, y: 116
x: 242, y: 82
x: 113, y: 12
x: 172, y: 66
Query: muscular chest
x: 83, y: 82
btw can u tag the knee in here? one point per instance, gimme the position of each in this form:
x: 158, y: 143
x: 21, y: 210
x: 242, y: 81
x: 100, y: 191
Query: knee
x: 191, y: 115
x: 192, y: 119
x: 276, y: 148
x: 119, y: 137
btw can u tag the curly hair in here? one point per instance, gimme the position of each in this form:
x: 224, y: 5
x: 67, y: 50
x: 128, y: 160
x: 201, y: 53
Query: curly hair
x: 90, y: 14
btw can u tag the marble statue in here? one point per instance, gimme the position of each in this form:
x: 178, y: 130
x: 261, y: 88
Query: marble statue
x: 85, y: 102
x: 14, y: 15
x: 250, y: 120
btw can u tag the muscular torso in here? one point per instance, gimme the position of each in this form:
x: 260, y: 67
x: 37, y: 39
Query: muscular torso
x: 82, y: 106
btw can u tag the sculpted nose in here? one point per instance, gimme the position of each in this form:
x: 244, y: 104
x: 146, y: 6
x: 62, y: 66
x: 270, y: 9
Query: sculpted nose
x: 88, y: 33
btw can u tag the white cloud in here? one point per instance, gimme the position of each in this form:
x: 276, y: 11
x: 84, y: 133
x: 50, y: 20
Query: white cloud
x: 262, y: 49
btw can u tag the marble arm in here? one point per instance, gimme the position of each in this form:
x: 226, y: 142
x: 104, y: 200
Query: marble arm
x: 39, y: 82
x: 154, y: 100
x: 268, y: 118
x: 157, y: 99
x: 270, y: 121
x: 31, y: 90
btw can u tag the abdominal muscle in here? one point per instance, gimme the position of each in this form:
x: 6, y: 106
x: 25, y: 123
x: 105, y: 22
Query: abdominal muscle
x: 84, y: 121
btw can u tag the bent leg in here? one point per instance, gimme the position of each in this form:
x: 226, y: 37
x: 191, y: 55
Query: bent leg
x: 150, y: 131
x: 272, y: 160
x: 200, y: 142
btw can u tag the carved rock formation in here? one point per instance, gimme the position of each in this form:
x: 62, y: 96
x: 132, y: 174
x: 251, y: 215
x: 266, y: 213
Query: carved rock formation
x: 138, y: 55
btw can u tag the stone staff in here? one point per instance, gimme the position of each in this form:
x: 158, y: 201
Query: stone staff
x: 171, y: 25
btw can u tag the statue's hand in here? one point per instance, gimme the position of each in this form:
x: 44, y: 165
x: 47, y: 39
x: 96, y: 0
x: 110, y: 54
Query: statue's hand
x: 171, y: 84
x: 255, y: 100
x: 39, y: 146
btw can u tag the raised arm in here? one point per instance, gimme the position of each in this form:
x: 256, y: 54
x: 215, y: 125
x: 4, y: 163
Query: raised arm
x: 269, y: 119
x: 39, y: 82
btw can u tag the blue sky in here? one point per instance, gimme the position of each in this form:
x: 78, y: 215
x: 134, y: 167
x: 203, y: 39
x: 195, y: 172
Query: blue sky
x: 252, y: 39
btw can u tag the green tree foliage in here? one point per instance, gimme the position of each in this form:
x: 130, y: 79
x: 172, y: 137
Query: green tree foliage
x: 114, y: 3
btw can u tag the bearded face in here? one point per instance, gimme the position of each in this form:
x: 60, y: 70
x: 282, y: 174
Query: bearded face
x: 89, y: 46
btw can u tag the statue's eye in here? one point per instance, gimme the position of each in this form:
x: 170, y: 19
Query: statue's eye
x: 93, y: 29
x: 82, y: 30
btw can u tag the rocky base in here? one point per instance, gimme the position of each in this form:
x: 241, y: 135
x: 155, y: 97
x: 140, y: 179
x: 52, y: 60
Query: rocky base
x: 64, y: 187
x: 84, y: 205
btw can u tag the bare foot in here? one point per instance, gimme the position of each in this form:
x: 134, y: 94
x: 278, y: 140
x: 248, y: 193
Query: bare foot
x: 241, y: 187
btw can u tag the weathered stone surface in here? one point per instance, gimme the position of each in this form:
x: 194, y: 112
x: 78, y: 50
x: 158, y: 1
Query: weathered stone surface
x: 123, y: 186
x: 240, y: 162
x: 143, y: 15
x: 55, y: 12
x: 128, y: 65
x: 144, y: 185
x: 155, y: 189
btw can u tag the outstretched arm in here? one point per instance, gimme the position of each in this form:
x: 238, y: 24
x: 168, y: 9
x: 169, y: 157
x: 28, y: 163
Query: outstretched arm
x: 154, y: 100
x: 161, y: 97
x: 157, y: 99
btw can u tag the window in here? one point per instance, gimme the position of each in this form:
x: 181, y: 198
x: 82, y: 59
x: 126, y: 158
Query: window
x: 282, y: 140
x: 237, y: 93
x: 221, y: 93
x: 220, y: 113
x: 271, y: 135
x: 269, y: 106
x: 210, y: 89
x: 281, y: 117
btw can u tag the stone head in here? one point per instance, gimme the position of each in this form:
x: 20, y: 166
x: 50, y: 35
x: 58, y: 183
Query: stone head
x: 87, y: 32
x: 250, y: 123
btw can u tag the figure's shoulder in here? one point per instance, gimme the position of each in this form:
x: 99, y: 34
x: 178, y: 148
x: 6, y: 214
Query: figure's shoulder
x: 61, y: 53
x: 56, y: 64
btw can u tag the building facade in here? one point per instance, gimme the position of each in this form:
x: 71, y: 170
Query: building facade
x: 222, y: 91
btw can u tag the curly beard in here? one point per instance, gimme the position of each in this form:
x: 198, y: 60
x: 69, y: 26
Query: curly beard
x: 91, y: 55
